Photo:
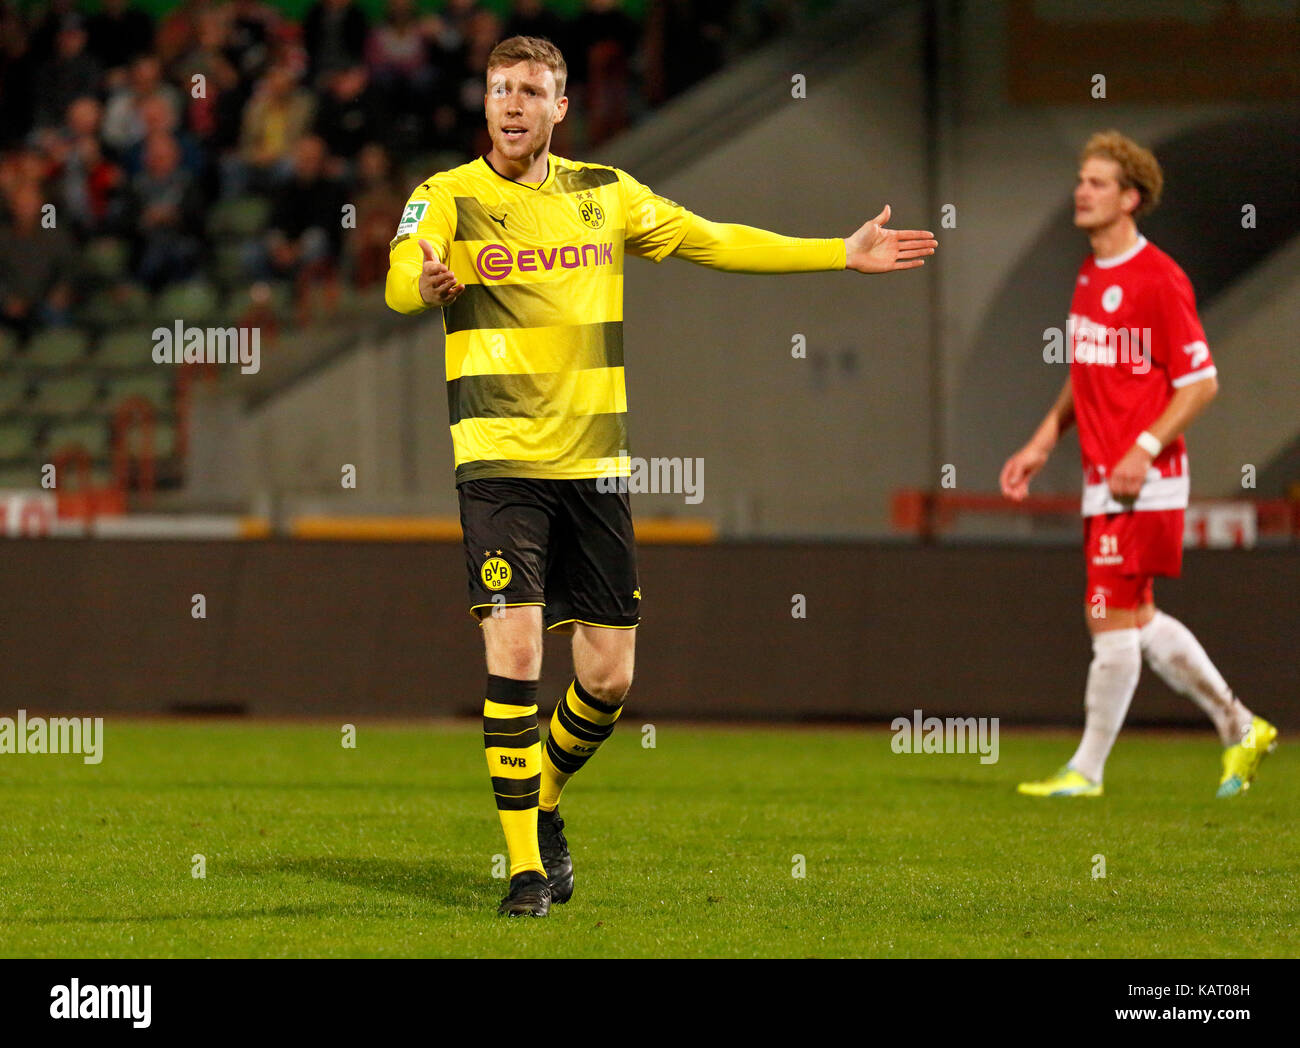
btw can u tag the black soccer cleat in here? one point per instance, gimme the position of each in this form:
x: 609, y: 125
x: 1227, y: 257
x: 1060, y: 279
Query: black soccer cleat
x: 555, y: 854
x: 530, y: 896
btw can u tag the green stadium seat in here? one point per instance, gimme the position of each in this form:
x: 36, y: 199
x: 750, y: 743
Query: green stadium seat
x: 155, y: 388
x: 17, y: 439
x: 20, y: 478
x: 92, y: 435
x: 106, y: 258
x: 280, y: 294
x: 117, y: 306
x: 13, y: 391
x: 229, y: 263
x: 125, y: 349
x: 240, y: 218
x: 66, y: 396
x: 57, y: 347
x: 164, y: 440
x: 195, y: 302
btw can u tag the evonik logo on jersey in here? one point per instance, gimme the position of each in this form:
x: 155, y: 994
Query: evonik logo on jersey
x: 1088, y: 342
x: 496, y: 261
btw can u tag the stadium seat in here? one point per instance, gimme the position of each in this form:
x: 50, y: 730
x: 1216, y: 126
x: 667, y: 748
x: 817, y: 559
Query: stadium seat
x: 126, y: 349
x: 106, y: 258
x: 57, y: 347
x: 66, y: 396
x: 91, y: 435
x: 229, y: 263
x: 280, y: 295
x: 117, y: 306
x: 155, y: 388
x: 20, y: 477
x: 13, y: 391
x: 195, y: 302
x: 239, y: 218
x: 17, y: 439
x: 164, y: 440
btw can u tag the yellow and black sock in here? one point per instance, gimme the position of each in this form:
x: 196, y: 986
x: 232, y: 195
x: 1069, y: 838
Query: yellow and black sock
x: 514, y: 757
x: 578, y: 727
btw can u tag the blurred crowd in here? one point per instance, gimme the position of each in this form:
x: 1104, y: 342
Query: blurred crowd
x: 117, y: 124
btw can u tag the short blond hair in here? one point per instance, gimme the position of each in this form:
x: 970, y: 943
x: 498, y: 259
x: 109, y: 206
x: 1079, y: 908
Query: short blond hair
x: 534, y: 49
x: 1138, y: 167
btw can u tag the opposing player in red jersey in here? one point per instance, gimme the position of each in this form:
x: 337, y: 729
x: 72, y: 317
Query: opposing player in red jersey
x: 1140, y: 372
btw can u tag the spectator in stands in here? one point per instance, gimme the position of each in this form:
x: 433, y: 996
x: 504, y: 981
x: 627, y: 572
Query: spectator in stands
x: 696, y: 33
x: 533, y: 18
x: 378, y: 200
x: 334, y: 33
x: 124, y: 125
x: 37, y: 266
x: 215, y: 114
x: 119, y: 34
x: 351, y: 113
x: 158, y: 117
x: 45, y: 30
x: 608, y: 41
x: 165, y: 211
x: 276, y: 118
x: 86, y: 179
x: 17, y: 75
x: 398, y: 57
x: 69, y: 75
x: 306, y: 222
x: 177, y: 31
x: 252, y: 30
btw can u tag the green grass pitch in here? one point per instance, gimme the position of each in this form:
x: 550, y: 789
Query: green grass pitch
x: 686, y: 849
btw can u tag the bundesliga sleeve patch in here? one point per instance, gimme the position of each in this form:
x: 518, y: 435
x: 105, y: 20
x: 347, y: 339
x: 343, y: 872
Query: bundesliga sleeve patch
x: 412, y: 216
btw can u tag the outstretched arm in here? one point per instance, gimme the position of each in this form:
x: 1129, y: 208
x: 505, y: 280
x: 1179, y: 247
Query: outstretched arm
x: 746, y: 249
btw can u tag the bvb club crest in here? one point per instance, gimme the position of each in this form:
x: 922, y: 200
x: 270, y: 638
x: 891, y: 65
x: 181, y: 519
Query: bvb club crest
x: 591, y: 213
x: 495, y: 573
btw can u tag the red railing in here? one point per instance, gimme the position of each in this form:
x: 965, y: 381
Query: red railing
x: 85, y: 501
x: 928, y: 514
x: 132, y: 412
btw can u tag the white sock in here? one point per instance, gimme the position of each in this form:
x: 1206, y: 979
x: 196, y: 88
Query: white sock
x: 1112, y: 679
x: 1177, y: 656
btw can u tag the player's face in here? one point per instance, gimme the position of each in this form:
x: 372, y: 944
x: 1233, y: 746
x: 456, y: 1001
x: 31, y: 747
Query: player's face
x: 521, y: 109
x: 1099, y: 199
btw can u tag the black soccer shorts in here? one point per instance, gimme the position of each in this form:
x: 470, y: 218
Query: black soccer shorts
x: 561, y: 544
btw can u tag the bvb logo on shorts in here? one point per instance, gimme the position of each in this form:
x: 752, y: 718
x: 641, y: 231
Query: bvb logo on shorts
x: 591, y: 214
x: 495, y: 573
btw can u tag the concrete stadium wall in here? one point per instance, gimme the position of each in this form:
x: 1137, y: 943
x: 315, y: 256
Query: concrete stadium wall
x: 360, y: 630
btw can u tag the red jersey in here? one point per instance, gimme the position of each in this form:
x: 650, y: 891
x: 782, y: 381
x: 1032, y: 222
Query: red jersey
x: 1135, y: 338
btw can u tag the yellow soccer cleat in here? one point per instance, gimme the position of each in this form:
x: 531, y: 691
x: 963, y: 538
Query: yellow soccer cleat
x: 1065, y: 783
x: 1241, y: 762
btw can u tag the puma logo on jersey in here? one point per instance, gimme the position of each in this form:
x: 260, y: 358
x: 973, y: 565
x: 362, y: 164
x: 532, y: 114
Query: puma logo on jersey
x: 501, y: 220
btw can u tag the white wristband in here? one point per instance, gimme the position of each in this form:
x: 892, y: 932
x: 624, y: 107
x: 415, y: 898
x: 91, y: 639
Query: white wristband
x: 1149, y: 443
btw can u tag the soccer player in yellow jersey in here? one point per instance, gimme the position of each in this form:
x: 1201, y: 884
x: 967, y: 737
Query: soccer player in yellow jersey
x: 523, y: 251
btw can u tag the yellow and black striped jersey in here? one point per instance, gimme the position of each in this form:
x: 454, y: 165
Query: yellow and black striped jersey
x: 534, y: 344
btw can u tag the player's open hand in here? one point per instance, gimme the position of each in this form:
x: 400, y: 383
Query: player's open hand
x: 1020, y: 469
x: 875, y: 249
x: 438, y: 285
x: 1127, y: 477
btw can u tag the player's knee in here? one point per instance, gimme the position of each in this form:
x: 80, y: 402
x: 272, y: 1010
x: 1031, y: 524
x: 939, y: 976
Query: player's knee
x: 610, y: 687
x: 521, y: 659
